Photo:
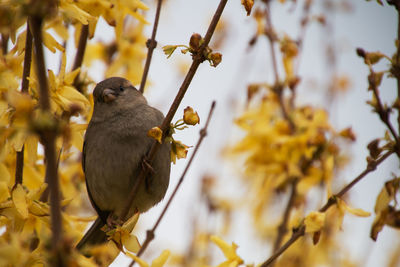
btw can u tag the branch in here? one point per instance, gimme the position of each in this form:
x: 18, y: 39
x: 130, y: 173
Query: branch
x: 80, y: 53
x: 278, y: 87
x: 396, y: 65
x: 19, y: 168
x: 271, y: 38
x: 297, y: 233
x: 197, y: 59
x: 384, y: 113
x: 283, y: 227
x: 372, y: 165
x: 151, y: 44
x: 150, y: 234
x: 47, y: 136
x: 4, y: 43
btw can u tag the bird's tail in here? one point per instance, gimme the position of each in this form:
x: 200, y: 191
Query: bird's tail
x: 94, y: 236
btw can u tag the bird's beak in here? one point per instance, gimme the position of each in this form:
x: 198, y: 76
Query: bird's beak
x: 108, y: 95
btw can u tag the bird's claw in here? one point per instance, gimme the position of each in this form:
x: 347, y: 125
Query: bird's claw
x: 147, y: 166
x: 113, y: 221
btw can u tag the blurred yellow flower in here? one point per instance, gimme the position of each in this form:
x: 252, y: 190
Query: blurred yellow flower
x: 314, y: 221
x: 232, y: 259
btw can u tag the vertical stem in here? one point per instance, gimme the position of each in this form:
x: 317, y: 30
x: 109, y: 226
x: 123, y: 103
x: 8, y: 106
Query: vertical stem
x: 278, y: 87
x: 19, y: 169
x: 151, y: 44
x: 4, y: 43
x: 397, y: 64
x: 283, y: 227
x: 47, y: 136
x: 80, y: 53
x: 271, y: 42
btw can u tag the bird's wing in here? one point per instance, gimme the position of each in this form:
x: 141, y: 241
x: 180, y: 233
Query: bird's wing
x: 102, y: 214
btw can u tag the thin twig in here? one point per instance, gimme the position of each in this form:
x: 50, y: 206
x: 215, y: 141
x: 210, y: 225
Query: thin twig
x: 397, y: 63
x: 278, y: 87
x: 19, y: 166
x: 271, y: 38
x: 4, y: 43
x: 150, y: 234
x: 283, y: 227
x: 151, y: 45
x: 300, y: 41
x: 371, y: 167
x: 80, y: 53
x: 197, y: 59
x: 331, y: 201
x: 384, y: 113
x: 47, y: 137
x: 303, y: 27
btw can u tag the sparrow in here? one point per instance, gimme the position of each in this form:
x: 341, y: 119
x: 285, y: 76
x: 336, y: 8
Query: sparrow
x: 115, y: 145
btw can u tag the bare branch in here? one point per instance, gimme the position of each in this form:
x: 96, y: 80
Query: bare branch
x: 197, y: 59
x: 47, y: 136
x: 80, y: 53
x: 150, y: 234
x: 278, y: 87
x: 283, y: 227
x: 151, y: 45
x: 297, y: 233
x: 19, y: 168
x: 398, y: 61
x: 4, y: 43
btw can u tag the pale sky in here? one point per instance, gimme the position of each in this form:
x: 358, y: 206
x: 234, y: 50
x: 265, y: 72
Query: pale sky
x: 368, y: 26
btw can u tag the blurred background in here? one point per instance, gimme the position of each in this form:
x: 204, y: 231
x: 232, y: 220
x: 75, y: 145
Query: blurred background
x: 328, y: 52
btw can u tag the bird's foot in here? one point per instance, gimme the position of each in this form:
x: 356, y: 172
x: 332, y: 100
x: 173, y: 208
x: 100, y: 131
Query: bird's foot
x: 147, y: 166
x: 113, y: 221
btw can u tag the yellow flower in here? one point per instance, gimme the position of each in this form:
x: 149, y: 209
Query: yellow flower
x: 155, y: 133
x: 190, y: 117
x: 64, y: 97
x: 158, y: 262
x: 178, y: 150
x: 232, y: 259
x: 314, y: 221
x: 343, y: 208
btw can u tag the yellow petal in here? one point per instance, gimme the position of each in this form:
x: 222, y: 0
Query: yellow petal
x: 18, y: 140
x: 160, y: 261
x: 33, y: 177
x: 130, y: 224
x: 31, y: 145
x: 77, y: 131
x: 355, y: 211
x: 314, y: 221
x: 141, y: 262
x: 4, y: 173
x: 35, y: 194
x: 61, y: 73
x: 73, y: 95
x: 70, y: 77
x: 51, y: 43
x: 19, y: 199
x: 4, y: 193
x: 228, y: 250
x: 190, y: 116
x: 75, y: 12
x: 155, y: 133
x: 38, y: 208
x: 130, y: 242
x: 52, y: 80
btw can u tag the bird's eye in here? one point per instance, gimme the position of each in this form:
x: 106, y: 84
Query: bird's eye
x: 121, y: 88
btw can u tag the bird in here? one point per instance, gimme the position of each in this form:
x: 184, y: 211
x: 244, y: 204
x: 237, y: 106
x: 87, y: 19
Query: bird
x: 114, y: 149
